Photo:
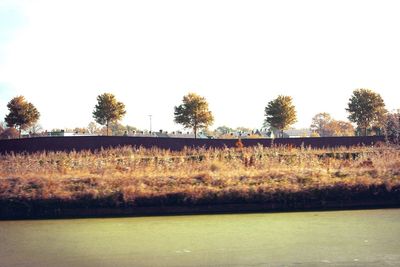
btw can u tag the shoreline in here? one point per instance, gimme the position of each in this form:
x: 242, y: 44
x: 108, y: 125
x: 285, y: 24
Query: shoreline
x: 40, y: 213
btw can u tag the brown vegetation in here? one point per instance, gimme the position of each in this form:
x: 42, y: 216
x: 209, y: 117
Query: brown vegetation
x: 151, y: 177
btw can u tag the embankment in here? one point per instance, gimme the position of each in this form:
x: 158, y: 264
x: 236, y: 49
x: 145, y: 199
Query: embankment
x: 334, y: 198
x: 79, y: 143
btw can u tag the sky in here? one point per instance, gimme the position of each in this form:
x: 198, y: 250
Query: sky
x: 239, y: 55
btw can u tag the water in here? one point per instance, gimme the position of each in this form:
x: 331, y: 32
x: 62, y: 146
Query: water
x: 343, y: 238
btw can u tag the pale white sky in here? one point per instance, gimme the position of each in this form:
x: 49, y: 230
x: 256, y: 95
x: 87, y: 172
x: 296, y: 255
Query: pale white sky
x: 238, y: 54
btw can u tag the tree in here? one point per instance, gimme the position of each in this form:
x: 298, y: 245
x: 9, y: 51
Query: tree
x: 339, y: 128
x: 120, y: 129
x: 366, y: 107
x: 92, y: 128
x: 131, y: 129
x: 79, y: 130
x: 378, y: 126
x: 108, y: 110
x: 9, y: 133
x: 392, y: 127
x: 117, y: 128
x: 280, y: 113
x: 36, y: 128
x: 242, y: 129
x: 319, y: 124
x: 193, y: 113
x: 221, y: 130
x: 324, y: 125
x: 22, y: 114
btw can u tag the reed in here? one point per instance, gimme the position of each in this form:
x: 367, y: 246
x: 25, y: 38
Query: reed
x: 137, y: 176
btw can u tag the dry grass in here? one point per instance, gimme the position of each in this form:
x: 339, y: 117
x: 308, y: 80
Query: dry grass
x: 130, y: 176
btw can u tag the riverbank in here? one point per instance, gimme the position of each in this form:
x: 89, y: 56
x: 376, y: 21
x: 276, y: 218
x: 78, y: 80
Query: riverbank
x: 134, y: 182
x: 15, y: 210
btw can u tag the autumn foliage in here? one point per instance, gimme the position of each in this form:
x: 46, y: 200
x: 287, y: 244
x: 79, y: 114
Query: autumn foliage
x: 193, y: 113
x: 22, y: 114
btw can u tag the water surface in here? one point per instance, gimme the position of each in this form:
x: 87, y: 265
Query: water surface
x: 343, y: 238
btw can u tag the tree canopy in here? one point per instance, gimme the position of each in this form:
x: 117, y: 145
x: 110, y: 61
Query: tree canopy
x: 119, y: 129
x: 108, y: 110
x: 319, y: 123
x: 221, y: 130
x: 324, y: 125
x: 340, y: 128
x: 280, y: 113
x: 366, y: 108
x: 193, y: 113
x: 243, y: 129
x: 392, y: 127
x: 9, y: 133
x: 22, y: 114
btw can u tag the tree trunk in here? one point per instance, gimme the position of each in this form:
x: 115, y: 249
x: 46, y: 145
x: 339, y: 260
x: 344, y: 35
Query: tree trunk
x: 107, y: 128
x: 365, y: 131
x: 195, y: 123
x: 19, y: 132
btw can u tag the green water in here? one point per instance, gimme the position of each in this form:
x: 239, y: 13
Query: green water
x: 344, y: 238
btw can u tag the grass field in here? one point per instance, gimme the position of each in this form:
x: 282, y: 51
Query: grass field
x: 151, y: 177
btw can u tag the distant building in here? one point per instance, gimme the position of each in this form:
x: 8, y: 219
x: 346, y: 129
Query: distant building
x: 165, y: 134
x: 266, y: 133
x: 291, y: 133
x: 143, y: 134
x: 161, y: 133
x: 59, y: 133
x: 187, y: 135
x: 297, y: 133
x: 63, y: 133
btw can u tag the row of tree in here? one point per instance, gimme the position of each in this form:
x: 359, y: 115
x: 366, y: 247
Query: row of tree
x: 366, y: 109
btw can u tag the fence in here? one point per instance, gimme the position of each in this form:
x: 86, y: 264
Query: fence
x: 78, y: 143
